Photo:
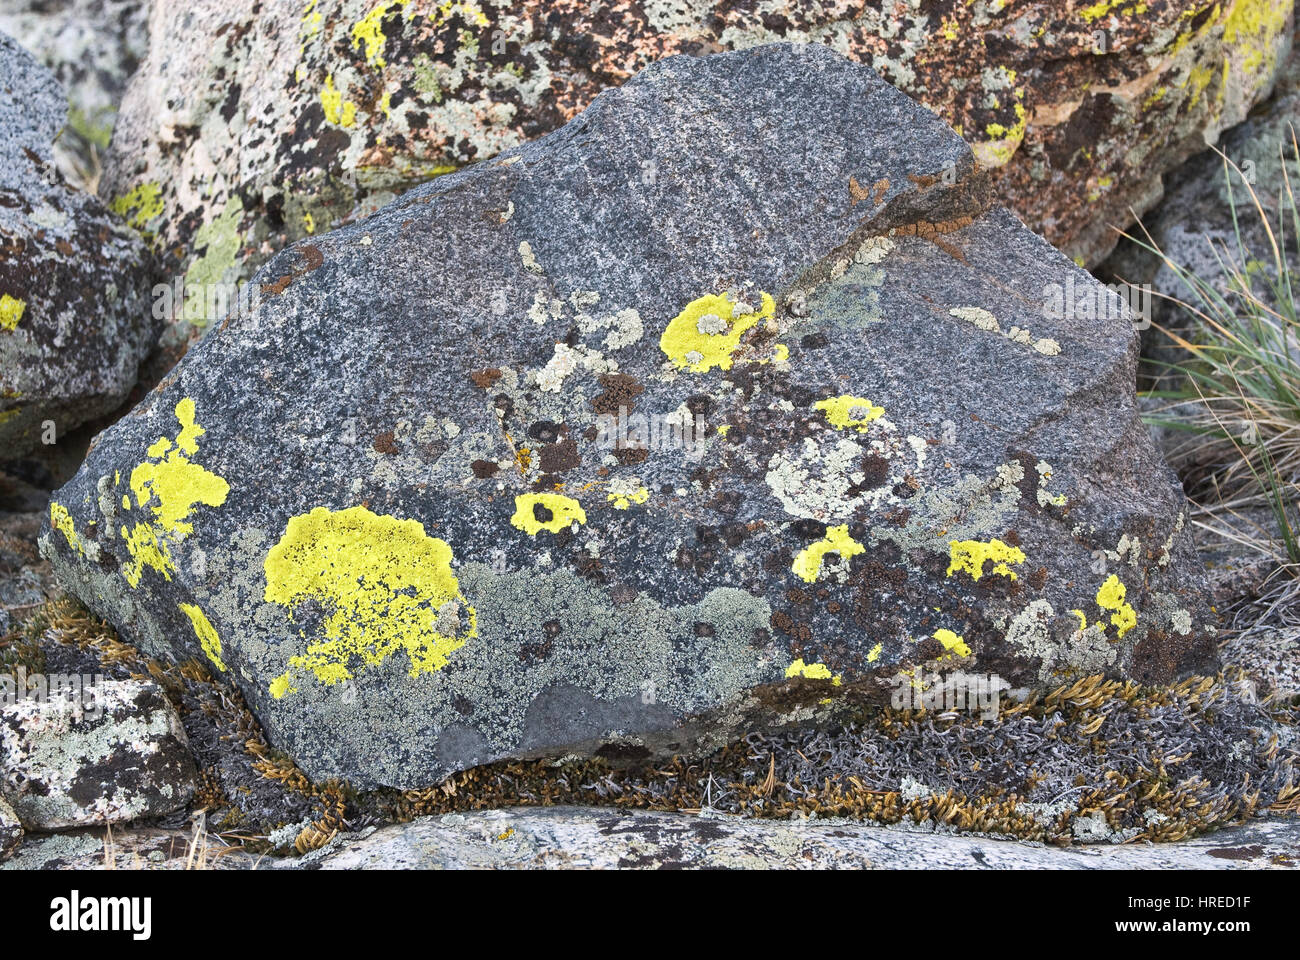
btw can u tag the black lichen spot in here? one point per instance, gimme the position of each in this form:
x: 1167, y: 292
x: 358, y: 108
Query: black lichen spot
x: 807, y: 529
x: 542, y: 513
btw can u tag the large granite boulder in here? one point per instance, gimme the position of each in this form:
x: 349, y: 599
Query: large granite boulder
x: 556, y: 456
x: 251, y: 125
x: 92, y: 47
x: 75, y: 314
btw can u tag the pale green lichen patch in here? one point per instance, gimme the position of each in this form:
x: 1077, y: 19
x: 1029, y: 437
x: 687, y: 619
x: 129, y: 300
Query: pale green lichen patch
x: 387, y: 587
x: 220, y: 242
x: 984, y: 320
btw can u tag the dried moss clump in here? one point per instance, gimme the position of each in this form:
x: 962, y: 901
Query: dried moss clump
x: 1099, y: 760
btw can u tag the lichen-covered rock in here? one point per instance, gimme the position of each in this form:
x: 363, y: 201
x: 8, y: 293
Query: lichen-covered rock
x: 108, y: 753
x: 75, y: 315
x: 1210, y: 213
x: 556, y: 456
x: 560, y: 838
x: 253, y: 124
x: 11, y: 831
x: 92, y: 47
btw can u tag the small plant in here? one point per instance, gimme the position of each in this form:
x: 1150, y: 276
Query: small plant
x: 1235, y: 387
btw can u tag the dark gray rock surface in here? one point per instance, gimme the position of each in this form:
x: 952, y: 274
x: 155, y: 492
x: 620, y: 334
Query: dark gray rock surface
x: 381, y: 504
x: 75, y: 314
x: 111, y: 753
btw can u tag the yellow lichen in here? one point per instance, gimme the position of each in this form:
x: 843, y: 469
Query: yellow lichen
x: 971, y: 555
x: 385, y: 584
x: 952, y: 642
x: 808, y: 564
x: 206, y: 632
x: 11, y: 311
x: 140, y: 205
x: 850, y: 413
x: 622, y: 501
x: 813, y: 671
x: 170, y: 486
x: 370, y: 31
x: 337, y: 111
x: 708, y: 330
x: 552, y: 512
x: 61, y: 520
x: 1111, y: 597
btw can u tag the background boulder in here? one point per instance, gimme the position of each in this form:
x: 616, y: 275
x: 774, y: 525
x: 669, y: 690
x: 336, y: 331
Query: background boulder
x: 75, y: 312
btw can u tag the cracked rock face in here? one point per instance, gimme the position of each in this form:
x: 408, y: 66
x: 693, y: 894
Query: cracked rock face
x: 251, y: 125
x: 553, y: 456
x: 77, y: 759
x: 75, y: 317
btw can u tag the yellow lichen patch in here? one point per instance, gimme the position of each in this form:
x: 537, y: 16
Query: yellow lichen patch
x: 849, y: 413
x: 622, y: 501
x: 708, y: 330
x: 173, y: 485
x: 386, y: 585
x: 1111, y: 597
x: 340, y: 112
x: 813, y: 671
x: 11, y: 311
x: 1252, y: 27
x: 206, y: 632
x: 170, y: 485
x: 952, y: 642
x: 281, y: 686
x: 552, y: 512
x: 1083, y: 620
x: 971, y: 555
x: 7, y: 415
x: 808, y: 564
x: 140, y: 205
x: 61, y: 521
x: 370, y: 31
x: 874, y: 655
